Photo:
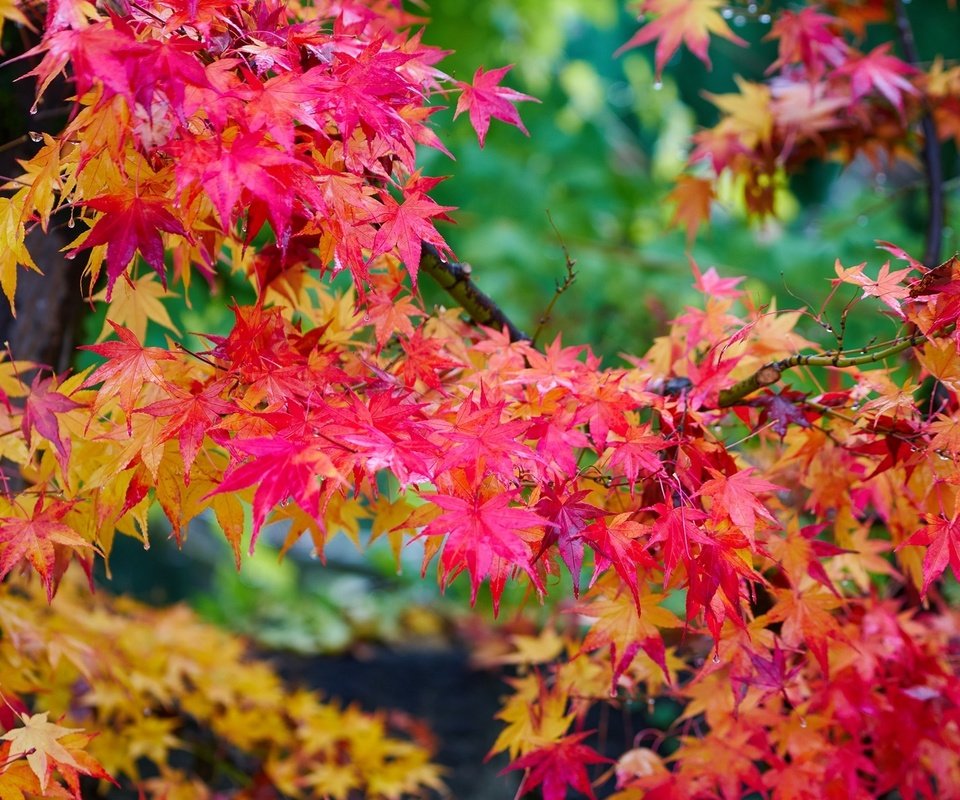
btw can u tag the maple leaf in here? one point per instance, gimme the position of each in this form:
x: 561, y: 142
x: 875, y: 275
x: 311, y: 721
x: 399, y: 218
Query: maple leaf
x: 13, y: 250
x: 808, y: 37
x: 807, y: 620
x: 281, y: 469
x: 888, y: 287
x: 405, y: 226
x: 480, y: 435
x: 711, y: 284
x: 635, y: 452
x: 618, y: 541
x: 35, y: 539
x: 131, y: 223
x: 627, y: 626
x: 942, y: 538
x: 881, y: 72
x: 692, y: 197
x: 134, y: 303
x: 129, y: 366
x: 569, y: 515
x: 782, y: 409
x: 485, y: 98
x: 734, y: 496
x: 688, y: 22
x: 482, y: 535
x: 40, y: 414
x: 247, y: 168
x: 674, y: 528
x: 558, y: 765
x: 37, y: 741
x: 771, y: 675
x: 192, y: 414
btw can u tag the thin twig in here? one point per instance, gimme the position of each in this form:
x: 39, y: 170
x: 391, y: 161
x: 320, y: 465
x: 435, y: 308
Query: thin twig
x: 454, y: 278
x: 932, y: 163
x: 561, y: 286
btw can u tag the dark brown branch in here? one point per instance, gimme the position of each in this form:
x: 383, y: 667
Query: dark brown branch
x: 932, y: 163
x: 454, y: 278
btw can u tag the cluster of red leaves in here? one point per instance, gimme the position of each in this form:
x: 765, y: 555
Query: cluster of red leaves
x: 199, y: 124
x: 205, y: 122
x: 824, y: 98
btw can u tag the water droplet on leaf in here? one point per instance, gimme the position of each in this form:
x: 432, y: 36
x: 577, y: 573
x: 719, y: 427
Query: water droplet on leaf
x: 657, y: 86
x: 803, y: 722
x: 35, y: 136
x: 716, y: 658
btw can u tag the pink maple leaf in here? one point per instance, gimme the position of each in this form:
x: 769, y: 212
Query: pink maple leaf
x: 879, y: 71
x: 486, y: 98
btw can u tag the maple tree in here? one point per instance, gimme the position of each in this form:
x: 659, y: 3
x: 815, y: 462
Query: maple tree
x: 799, y: 525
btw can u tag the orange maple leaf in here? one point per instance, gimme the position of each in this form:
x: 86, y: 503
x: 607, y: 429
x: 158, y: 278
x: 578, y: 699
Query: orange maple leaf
x: 692, y: 196
x: 688, y: 22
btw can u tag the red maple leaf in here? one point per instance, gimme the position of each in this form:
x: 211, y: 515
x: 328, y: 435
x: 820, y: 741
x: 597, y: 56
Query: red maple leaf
x: 34, y: 540
x: 569, y: 515
x: 481, y: 436
x: 281, y: 469
x: 486, y: 98
x: 131, y: 223
x: 675, y: 528
x: 247, y: 172
x: 425, y: 360
x: 618, y: 541
x: 192, y: 414
x: 129, y: 365
x: 888, y: 286
x: 808, y: 37
x: 560, y: 764
x: 942, y: 537
x: 481, y: 529
x: 406, y: 225
x: 40, y: 414
x: 735, y: 497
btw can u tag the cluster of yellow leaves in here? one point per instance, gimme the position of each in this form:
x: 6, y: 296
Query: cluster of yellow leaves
x: 160, y: 682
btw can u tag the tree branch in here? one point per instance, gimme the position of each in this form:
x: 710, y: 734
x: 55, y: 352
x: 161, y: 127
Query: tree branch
x: 932, y: 163
x: 454, y: 278
x: 770, y: 373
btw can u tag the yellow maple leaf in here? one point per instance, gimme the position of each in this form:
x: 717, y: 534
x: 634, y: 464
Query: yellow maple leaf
x: 13, y: 251
x: 135, y: 303
x: 748, y: 113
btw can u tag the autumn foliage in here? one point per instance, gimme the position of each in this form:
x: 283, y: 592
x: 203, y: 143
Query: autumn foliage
x: 799, y: 523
